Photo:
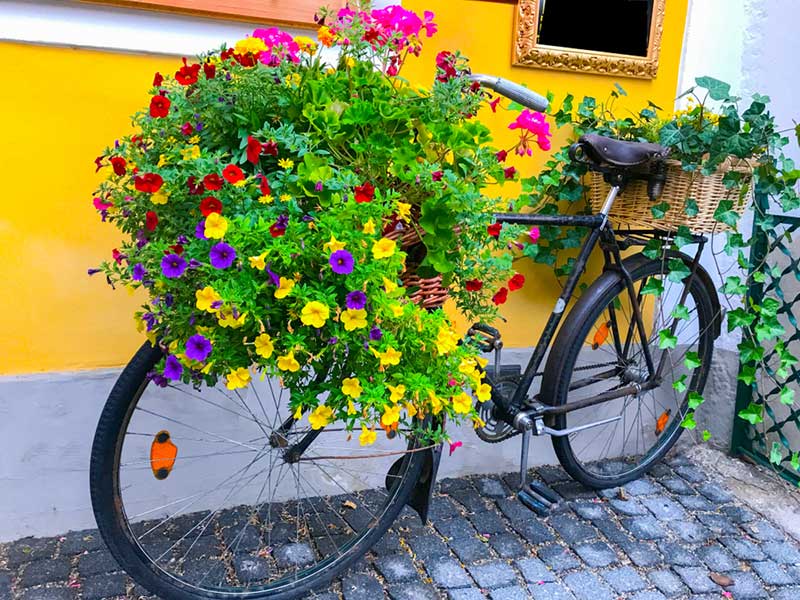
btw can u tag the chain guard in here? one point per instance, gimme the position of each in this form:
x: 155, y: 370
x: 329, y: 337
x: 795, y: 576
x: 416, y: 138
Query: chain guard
x: 496, y: 431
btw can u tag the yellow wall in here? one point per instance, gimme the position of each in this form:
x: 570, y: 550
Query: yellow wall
x: 63, y: 106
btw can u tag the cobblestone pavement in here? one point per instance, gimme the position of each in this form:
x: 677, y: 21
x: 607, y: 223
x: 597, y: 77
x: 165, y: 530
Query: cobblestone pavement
x: 663, y: 536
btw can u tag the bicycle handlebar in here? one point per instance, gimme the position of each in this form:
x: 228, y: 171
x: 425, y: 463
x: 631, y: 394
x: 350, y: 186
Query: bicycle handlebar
x: 513, y: 91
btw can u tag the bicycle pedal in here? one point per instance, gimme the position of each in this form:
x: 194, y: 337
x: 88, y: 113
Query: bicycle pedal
x: 533, y: 503
x: 545, y: 492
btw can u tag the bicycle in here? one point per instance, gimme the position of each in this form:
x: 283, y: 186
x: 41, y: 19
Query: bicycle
x: 224, y: 521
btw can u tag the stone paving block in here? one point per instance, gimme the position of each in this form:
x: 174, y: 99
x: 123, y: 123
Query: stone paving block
x: 359, y: 586
x: 470, y: 550
x: 691, y: 473
x: 77, y: 542
x: 447, y: 573
x: 782, y: 552
x: 644, y: 528
x: 534, y: 532
x: 612, y: 531
x: 572, y: 490
x: 509, y: 593
x: 451, y: 484
x: 746, y: 585
x: 52, y: 593
x: 717, y: 558
x: 413, y: 591
x: 589, y: 510
x: 97, y: 563
x: 677, y: 554
x: 5, y: 584
x: 470, y: 499
x: 103, y: 586
x: 550, y: 591
x: 641, y: 487
x: 493, y: 575
x: 642, y: 554
x: 571, y: 530
x: 660, y: 470
x: 508, y: 545
x: 597, y: 554
x: 764, y: 531
x: 294, y: 555
x: 455, y: 529
x: 514, y: 510
x: 535, y: 571
x: 44, y: 571
x: 628, y: 508
x: 690, y: 531
x: 29, y: 549
x: 325, y: 596
x: 396, y: 568
x: 388, y: 544
x: 586, y: 586
x: 551, y: 474
x: 428, y: 547
x: 488, y: 522
x: 787, y: 593
x: 624, y: 579
x: 250, y: 568
x: 742, y: 549
x: 648, y: 595
x: 716, y: 493
x: 677, y: 485
x: 466, y: 594
x: 696, y: 503
x: 558, y: 558
x: 738, y: 514
x: 667, y: 582
x: 442, y: 507
x: 663, y: 508
x: 718, y: 523
x: 697, y: 579
x: 772, y: 573
x: 492, y: 488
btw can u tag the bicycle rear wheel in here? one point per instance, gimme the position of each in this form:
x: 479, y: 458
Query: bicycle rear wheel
x: 195, y: 495
x: 599, y: 349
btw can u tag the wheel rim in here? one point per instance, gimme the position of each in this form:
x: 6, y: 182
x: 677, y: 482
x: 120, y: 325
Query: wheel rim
x: 232, y: 516
x: 643, y: 425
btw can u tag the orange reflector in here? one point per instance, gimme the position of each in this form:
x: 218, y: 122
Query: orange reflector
x: 662, y: 421
x: 162, y: 455
x: 601, y: 335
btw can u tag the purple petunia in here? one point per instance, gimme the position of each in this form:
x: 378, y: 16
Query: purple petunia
x: 198, y: 348
x: 172, y: 368
x: 173, y: 265
x: 356, y: 300
x: 222, y: 255
x: 200, y: 230
x: 139, y: 272
x: 375, y: 334
x: 341, y: 262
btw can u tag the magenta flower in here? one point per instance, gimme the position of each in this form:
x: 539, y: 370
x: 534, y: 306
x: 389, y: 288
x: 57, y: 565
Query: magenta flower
x: 173, y: 265
x: 280, y: 45
x: 172, y: 368
x: 535, y: 124
x: 222, y: 255
x: 356, y: 300
x: 139, y: 272
x: 341, y: 262
x: 198, y: 348
x: 533, y: 234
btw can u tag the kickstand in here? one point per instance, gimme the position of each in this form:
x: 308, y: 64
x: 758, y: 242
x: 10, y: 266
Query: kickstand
x: 537, y: 497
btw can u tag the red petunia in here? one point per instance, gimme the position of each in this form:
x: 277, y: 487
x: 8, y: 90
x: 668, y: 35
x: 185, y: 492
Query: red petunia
x: 254, y: 149
x: 176, y: 249
x: 270, y: 148
x: 149, y: 183
x: 210, y: 70
x: 501, y: 156
x: 195, y: 188
x: 226, y: 54
x: 159, y: 106
x: 516, y: 282
x: 494, y: 229
x: 494, y: 104
x: 500, y: 297
x: 232, y: 174
x: 474, y: 285
x: 158, y: 79
x: 118, y: 256
x: 510, y: 172
x: 209, y: 205
x: 187, y: 74
x: 213, y: 182
x: 150, y: 221
x: 364, y: 193
x: 276, y: 231
x: 264, y: 185
x: 187, y: 129
x: 436, y: 175
x: 119, y: 165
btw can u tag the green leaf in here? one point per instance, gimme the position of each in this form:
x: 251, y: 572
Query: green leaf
x: 653, y: 286
x: 739, y: 317
x: 795, y: 461
x: 734, y: 286
x: 689, y: 422
x: 753, y: 414
x: 747, y: 375
x: 679, y: 385
x: 695, y: 400
x: 717, y: 90
x: 678, y: 270
x: 690, y: 207
x: 759, y: 277
x: 659, y: 210
x: 621, y: 91
x: 653, y: 248
x: 787, y: 396
x: 692, y: 360
x: 750, y: 351
x: 775, y: 456
x: 683, y: 237
x: 706, y: 435
x: 680, y: 312
x: 725, y: 213
x: 666, y: 339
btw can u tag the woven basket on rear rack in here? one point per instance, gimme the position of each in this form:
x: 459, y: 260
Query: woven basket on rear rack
x: 632, y: 209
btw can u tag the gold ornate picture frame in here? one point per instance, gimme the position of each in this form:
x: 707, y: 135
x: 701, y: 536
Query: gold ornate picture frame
x: 527, y: 52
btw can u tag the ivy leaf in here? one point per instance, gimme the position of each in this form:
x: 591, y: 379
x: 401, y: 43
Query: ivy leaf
x: 768, y: 329
x: 690, y: 207
x: 753, y: 414
x: 660, y: 210
x: 683, y: 237
x: 725, y: 213
x: 747, y: 375
x: 759, y: 277
x: 750, y: 351
x: 653, y: 286
x: 695, y: 400
x: 706, y: 435
x: 666, y: 339
x: 679, y: 385
x: 787, y: 396
x: 734, y: 286
x: 678, y: 271
x: 688, y: 421
x: 775, y: 456
x: 718, y: 90
x: 653, y: 249
x: 692, y: 360
x: 669, y: 135
x: 680, y: 312
x: 795, y: 461
x: 739, y: 317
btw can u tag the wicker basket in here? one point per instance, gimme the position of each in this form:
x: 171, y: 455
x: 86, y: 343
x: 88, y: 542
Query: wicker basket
x: 632, y: 207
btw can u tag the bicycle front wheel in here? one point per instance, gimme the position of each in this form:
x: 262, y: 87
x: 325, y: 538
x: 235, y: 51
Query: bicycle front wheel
x: 197, y: 496
x: 599, y: 350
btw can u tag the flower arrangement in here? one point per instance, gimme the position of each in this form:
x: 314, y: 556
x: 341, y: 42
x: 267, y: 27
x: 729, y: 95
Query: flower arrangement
x: 262, y: 194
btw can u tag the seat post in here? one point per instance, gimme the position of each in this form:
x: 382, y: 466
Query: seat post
x: 612, y: 195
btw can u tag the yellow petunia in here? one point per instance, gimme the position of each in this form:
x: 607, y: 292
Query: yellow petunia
x: 159, y: 198
x: 259, y: 262
x: 410, y: 409
x: 238, y: 378
x: 266, y: 199
x: 306, y: 44
x: 332, y: 246
x: 397, y: 392
x: 369, y: 227
x: 389, y: 357
x: 294, y: 79
x: 351, y: 387
x: 483, y: 392
x: 446, y: 340
x: 288, y: 362
x: 191, y: 152
x: 216, y: 226
x: 264, y: 345
x: 391, y: 416
x: 298, y: 413
x: 351, y: 408
x: 194, y: 139
x: 284, y: 287
x: 206, y: 298
x: 326, y: 36
x: 397, y: 310
x: 404, y: 211
x: 349, y: 62
x: 251, y: 45
x: 389, y: 285
x: 286, y: 163
x: 320, y: 417
x: 435, y: 402
x: 354, y: 318
x: 383, y: 248
x: 162, y: 160
x: 462, y: 403
x: 226, y: 319
x: 367, y: 437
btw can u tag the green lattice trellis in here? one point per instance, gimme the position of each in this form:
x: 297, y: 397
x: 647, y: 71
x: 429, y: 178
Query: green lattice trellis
x: 776, y: 441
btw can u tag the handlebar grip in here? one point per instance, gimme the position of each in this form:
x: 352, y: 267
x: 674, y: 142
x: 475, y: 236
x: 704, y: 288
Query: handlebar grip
x: 513, y: 91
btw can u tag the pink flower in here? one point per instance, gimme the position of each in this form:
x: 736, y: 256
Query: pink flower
x: 532, y: 123
x: 280, y: 46
x: 101, y: 204
x: 455, y: 446
x: 534, y: 234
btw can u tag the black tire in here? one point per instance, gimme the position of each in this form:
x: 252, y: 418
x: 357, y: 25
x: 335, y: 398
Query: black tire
x: 560, y: 372
x: 109, y: 510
